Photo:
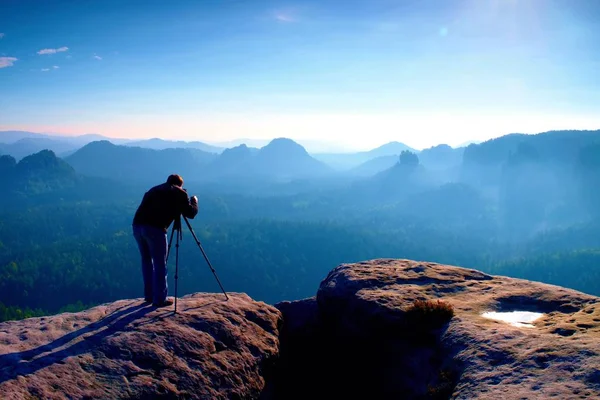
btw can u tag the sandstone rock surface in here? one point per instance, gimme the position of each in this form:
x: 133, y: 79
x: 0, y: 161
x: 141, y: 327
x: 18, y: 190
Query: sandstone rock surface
x: 480, y: 358
x: 354, y: 339
x: 210, y: 349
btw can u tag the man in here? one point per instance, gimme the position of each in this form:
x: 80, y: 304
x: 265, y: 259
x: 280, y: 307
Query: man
x: 158, y: 209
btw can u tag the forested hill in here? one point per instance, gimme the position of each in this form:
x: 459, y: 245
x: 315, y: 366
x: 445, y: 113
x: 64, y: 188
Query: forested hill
x: 118, y: 162
x: 43, y: 178
x: 522, y: 206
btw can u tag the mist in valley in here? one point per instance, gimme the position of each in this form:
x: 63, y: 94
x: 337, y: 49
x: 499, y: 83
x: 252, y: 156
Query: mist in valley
x: 275, y: 219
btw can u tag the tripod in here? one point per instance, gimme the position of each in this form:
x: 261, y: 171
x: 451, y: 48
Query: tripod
x: 177, y: 227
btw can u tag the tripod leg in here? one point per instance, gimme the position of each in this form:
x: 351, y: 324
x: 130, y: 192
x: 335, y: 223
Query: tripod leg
x: 205, y: 257
x: 170, y: 242
x: 176, y: 267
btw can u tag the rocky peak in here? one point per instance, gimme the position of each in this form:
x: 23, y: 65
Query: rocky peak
x: 238, y: 152
x: 283, y: 147
x: 43, y: 161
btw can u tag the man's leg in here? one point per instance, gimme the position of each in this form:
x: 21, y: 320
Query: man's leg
x: 147, y: 267
x: 157, y: 239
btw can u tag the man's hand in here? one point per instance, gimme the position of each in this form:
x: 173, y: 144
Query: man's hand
x: 194, y: 200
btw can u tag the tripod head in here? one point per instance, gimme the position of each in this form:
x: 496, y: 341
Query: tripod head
x: 177, y: 223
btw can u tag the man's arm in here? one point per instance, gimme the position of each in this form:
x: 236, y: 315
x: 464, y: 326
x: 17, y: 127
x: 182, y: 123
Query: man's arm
x: 188, y: 207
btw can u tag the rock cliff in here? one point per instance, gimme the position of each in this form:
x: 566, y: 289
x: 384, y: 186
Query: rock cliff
x: 366, y: 334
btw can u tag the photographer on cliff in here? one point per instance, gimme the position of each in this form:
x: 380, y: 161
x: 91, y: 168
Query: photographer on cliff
x: 160, y: 206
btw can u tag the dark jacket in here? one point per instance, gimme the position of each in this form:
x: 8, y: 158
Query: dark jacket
x: 162, y: 204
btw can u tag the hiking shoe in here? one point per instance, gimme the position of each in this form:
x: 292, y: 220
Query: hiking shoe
x: 165, y: 303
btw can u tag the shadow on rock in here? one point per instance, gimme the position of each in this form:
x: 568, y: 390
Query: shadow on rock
x: 72, y: 344
x: 320, y: 359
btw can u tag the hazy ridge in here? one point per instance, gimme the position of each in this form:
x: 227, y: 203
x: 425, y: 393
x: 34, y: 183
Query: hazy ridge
x: 520, y: 205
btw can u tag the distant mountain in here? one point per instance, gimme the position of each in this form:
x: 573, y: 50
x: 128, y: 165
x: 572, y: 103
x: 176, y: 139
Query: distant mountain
x: 43, y: 165
x: 389, y: 149
x: 90, y: 137
x: 30, y: 145
x: 43, y: 178
x: 347, y: 161
x: 78, y: 140
x: 392, y: 184
x: 483, y: 163
x: 399, y: 175
x: 285, y: 158
x: 311, y: 146
x: 281, y: 159
x: 535, y: 180
x: 37, y: 173
x: 374, y: 166
x: 441, y: 156
x: 21, y: 143
x: 13, y: 136
x: 468, y: 142
x: 105, y: 159
x: 160, y: 144
x: 233, y: 160
x: 256, y: 143
x: 561, y: 146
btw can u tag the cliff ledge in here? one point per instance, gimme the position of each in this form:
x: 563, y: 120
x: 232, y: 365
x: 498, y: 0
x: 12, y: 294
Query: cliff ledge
x: 358, y: 336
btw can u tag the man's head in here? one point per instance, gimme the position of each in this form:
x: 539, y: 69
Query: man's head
x: 175, y: 179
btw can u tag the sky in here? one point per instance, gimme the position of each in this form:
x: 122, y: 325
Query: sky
x: 354, y: 73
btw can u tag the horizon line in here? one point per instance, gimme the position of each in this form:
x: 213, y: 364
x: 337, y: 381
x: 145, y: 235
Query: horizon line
x: 223, y: 143
x: 244, y: 140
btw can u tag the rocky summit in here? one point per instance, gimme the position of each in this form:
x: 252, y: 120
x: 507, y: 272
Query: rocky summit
x: 210, y: 349
x: 379, y: 329
x: 370, y: 343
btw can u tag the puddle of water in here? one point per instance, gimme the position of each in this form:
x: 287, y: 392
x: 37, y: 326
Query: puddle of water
x: 522, y: 319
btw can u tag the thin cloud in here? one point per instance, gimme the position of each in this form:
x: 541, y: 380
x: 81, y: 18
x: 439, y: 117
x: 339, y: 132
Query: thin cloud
x: 1, y: 35
x: 45, y: 69
x: 97, y: 57
x: 56, y: 67
x: 7, y: 62
x: 53, y: 51
x: 284, y: 17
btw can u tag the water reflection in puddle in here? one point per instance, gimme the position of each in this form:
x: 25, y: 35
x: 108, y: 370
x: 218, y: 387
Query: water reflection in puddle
x: 522, y: 319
